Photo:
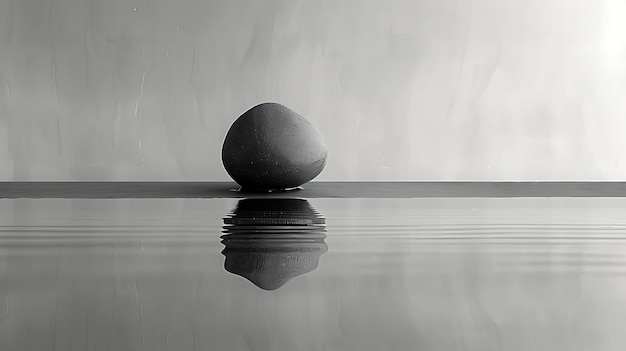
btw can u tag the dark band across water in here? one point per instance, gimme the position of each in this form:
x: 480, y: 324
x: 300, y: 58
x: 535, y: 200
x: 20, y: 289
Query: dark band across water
x: 105, y: 190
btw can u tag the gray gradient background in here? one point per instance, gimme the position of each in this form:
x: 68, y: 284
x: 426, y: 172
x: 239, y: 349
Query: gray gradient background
x: 402, y: 90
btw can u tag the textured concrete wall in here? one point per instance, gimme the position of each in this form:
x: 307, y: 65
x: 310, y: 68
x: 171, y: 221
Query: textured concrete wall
x: 413, y: 89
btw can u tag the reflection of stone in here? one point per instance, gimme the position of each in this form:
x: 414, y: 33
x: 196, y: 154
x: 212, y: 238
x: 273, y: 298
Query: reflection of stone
x: 271, y: 241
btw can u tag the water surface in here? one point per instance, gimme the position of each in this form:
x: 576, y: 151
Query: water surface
x: 361, y: 274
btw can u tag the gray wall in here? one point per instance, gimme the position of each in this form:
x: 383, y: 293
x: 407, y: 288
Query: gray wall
x: 414, y: 89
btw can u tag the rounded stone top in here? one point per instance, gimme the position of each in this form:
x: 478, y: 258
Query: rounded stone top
x: 271, y: 147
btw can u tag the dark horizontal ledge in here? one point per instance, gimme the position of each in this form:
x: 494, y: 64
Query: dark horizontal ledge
x: 118, y: 190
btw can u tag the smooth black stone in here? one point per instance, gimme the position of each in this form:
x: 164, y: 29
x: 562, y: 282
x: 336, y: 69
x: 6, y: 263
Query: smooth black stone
x: 272, y: 147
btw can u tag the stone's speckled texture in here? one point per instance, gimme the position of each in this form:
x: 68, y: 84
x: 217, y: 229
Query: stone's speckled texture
x: 272, y: 147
